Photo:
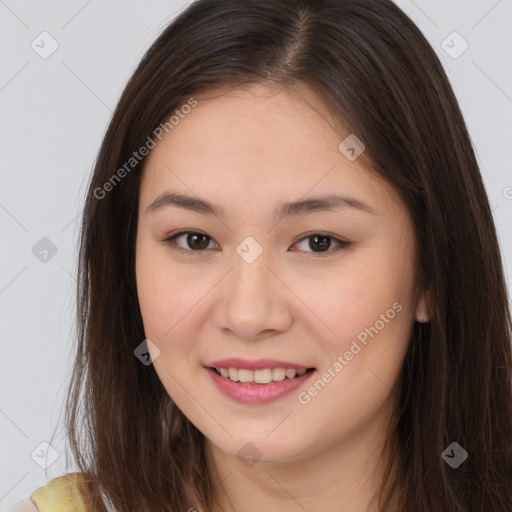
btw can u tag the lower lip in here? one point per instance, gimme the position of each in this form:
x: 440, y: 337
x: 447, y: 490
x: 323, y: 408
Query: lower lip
x: 257, y: 393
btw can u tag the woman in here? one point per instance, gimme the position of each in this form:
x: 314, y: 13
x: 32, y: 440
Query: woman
x: 291, y: 295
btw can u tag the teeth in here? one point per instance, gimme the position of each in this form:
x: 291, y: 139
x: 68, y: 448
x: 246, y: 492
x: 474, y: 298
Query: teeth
x: 245, y: 375
x: 264, y: 376
x: 278, y: 374
x: 291, y: 373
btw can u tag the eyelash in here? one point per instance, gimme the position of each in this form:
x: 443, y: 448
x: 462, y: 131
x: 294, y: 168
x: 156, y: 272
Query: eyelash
x: 191, y: 252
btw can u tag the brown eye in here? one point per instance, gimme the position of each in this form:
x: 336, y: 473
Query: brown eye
x: 193, y: 241
x: 197, y: 241
x: 320, y: 243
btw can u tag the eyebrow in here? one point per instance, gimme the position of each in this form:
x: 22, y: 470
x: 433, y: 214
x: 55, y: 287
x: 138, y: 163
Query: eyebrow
x: 301, y: 207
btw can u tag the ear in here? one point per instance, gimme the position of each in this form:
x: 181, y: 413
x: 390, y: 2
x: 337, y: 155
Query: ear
x: 422, y: 313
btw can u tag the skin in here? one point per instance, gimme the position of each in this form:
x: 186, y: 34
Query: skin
x: 249, y: 150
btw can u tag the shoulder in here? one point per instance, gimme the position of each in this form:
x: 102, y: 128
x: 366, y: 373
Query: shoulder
x: 61, y: 494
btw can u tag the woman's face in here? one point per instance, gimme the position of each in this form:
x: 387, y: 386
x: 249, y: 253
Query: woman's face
x: 269, y: 284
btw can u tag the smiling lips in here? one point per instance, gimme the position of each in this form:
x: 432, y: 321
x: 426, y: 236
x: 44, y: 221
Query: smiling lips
x: 257, y: 381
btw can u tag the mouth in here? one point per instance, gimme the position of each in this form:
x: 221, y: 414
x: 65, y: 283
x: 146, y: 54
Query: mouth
x: 258, y: 386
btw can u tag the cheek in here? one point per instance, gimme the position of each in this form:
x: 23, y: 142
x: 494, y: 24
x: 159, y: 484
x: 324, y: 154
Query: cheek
x: 371, y: 319
x: 367, y: 297
x: 165, y: 295
x: 166, y: 299
x: 369, y: 307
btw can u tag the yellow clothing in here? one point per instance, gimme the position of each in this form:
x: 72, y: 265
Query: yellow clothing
x: 60, y: 494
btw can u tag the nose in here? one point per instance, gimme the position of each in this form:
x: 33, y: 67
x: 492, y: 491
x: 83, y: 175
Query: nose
x: 253, y: 301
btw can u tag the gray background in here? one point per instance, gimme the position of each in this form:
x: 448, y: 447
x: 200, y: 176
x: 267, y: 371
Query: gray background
x: 54, y: 114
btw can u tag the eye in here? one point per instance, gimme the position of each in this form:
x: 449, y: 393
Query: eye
x: 196, y: 241
x: 320, y: 243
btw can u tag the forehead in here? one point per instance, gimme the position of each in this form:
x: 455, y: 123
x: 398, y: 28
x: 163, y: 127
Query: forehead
x: 254, y: 142
x: 251, y: 125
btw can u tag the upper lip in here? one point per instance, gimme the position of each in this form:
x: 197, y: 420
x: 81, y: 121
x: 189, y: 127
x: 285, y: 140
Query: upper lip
x: 258, y: 364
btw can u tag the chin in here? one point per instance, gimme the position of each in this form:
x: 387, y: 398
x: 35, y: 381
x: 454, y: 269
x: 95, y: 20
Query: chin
x: 275, y: 449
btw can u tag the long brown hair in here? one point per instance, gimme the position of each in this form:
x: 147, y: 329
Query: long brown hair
x: 376, y: 74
